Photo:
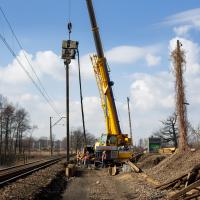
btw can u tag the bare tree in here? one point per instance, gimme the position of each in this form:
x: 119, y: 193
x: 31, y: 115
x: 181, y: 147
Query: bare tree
x: 8, y: 115
x: 169, y: 132
x: 14, y: 123
x: 77, y: 140
x: 194, y: 136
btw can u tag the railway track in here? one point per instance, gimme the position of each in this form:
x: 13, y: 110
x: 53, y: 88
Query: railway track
x: 11, y: 174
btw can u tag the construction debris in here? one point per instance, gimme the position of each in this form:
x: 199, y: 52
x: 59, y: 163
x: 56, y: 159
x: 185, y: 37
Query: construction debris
x: 133, y: 167
x: 187, y: 184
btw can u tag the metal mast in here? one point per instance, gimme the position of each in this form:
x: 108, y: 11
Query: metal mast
x: 109, y: 102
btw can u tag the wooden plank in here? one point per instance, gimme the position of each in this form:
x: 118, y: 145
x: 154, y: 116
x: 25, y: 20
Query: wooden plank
x: 170, y: 183
x: 188, y: 176
x: 149, y: 179
x: 70, y: 170
x: 185, y: 190
x: 197, y: 194
x: 112, y: 171
x: 133, y: 166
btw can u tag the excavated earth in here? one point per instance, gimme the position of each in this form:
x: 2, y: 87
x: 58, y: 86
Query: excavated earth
x: 174, y: 166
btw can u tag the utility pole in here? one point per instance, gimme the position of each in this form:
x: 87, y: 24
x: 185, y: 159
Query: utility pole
x: 51, y: 135
x: 67, y: 104
x: 51, y: 138
x: 129, y: 116
x: 69, y: 48
x: 179, y: 61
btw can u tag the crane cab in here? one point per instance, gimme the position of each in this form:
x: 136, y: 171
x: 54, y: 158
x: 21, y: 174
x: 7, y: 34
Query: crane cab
x: 114, y: 151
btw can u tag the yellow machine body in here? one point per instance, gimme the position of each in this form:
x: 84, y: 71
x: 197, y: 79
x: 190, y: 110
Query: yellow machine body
x: 114, y: 142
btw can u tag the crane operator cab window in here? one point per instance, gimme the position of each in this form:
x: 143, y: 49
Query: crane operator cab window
x: 108, y: 140
x: 112, y: 140
x: 103, y: 139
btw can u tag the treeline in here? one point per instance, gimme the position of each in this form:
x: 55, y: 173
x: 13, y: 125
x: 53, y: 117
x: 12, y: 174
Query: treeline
x: 76, y: 140
x: 169, y: 134
x: 14, y: 124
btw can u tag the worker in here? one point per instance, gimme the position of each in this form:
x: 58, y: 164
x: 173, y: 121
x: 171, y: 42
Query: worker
x: 78, y: 158
x: 103, y: 159
x: 86, y: 159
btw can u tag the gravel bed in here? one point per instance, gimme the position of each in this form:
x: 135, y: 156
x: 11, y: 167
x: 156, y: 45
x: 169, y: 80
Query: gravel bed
x: 140, y: 188
x: 44, y: 184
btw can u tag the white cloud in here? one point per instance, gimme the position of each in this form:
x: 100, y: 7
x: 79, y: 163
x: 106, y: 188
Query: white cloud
x: 186, y: 17
x: 153, y: 60
x: 48, y: 63
x: 184, y: 21
x: 152, y: 91
x: 86, y: 67
x: 182, y: 30
x: 13, y: 72
x: 133, y: 54
x: 44, y: 63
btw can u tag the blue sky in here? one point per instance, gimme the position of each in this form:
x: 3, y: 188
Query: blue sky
x: 136, y: 37
x: 41, y: 24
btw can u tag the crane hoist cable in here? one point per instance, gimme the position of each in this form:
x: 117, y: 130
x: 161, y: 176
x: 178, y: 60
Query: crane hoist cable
x: 81, y: 97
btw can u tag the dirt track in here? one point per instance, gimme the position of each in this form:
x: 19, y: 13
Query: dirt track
x: 97, y: 185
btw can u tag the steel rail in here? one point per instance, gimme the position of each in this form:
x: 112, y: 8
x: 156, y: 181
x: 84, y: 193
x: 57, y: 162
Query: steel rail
x: 13, y: 175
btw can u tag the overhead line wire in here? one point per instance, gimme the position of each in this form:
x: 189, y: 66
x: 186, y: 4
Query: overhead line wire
x: 28, y: 61
x: 27, y: 73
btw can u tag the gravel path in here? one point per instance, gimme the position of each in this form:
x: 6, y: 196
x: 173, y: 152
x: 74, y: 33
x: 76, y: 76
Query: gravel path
x: 98, y: 185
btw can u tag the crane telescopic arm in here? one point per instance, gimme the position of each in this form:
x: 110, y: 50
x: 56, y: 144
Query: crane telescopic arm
x: 103, y: 79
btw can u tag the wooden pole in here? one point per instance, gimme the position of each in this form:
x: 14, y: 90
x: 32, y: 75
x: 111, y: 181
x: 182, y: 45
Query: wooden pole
x: 179, y: 61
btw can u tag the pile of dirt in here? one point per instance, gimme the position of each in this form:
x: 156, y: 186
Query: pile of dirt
x: 174, y: 166
x: 150, y: 160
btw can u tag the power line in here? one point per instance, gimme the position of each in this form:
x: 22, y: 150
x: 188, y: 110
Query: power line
x: 27, y: 73
x: 28, y: 61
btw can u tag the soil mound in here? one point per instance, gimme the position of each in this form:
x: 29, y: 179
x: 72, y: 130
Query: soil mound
x: 150, y: 160
x: 174, y: 166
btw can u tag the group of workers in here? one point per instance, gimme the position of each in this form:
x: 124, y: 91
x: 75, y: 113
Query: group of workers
x: 85, y: 159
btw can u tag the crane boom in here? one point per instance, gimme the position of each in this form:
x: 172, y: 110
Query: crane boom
x: 103, y: 78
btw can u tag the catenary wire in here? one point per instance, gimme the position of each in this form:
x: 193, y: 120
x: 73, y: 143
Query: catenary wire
x: 27, y: 73
x: 27, y: 59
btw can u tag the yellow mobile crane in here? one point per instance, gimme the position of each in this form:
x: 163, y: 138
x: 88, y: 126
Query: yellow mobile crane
x: 114, y: 142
